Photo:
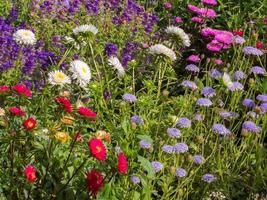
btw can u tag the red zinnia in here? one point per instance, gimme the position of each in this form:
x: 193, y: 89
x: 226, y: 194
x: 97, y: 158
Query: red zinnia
x: 29, y: 123
x: 65, y: 102
x: 3, y: 88
x: 98, y: 149
x: 30, y: 173
x: 16, y: 111
x: 239, y: 33
x: 94, y: 181
x: 21, y: 89
x: 259, y: 45
x: 122, y: 163
x: 86, y: 112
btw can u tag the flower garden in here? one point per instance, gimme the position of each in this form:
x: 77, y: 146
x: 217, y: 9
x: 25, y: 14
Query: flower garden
x: 125, y: 99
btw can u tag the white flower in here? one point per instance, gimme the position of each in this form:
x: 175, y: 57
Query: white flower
x: 85, y: 28
x: 2, y: 112
x: 227, y: 80
x: 161, y: 49
x: 81, y: 72
x: 24, y: 37
x: 116, y: 64
x: 176, y: 31
x: 58, y: 78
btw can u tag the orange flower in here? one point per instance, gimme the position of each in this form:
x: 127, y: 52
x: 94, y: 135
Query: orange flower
x: 67, y: 120
x: 103, y: 135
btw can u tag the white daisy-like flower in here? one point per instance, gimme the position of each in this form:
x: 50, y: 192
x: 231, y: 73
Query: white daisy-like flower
x: 159, y: 49
x: 85, y: 28
x: 116, y: 64
x: 24, y: 37
x: 178, y: 32
x: 81, y: 72
x: 227, y: 80
x: 2, y: 112
x: 58, y: 78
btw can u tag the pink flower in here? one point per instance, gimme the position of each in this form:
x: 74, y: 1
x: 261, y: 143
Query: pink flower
x: 214, y: 46
x: 225, y: 37
x: 193, y: 8
x: 209, y: 2
x: 206, y: 12
x: 30, y: 173
x: 207, y: 32
x: 168, y: 5
x: 178, y: 20
x: 265, y: 20
x: 218, y: 61
x: 198, y: 20
x: 193, y: 58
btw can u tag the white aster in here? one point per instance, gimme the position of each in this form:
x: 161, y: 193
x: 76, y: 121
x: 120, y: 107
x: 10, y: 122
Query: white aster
x: 116, y: 64
x: 24, y: 37
x: 178, y: 32
x: 85, y: 28
x: 58, y: 78
x: 81, y: 72
x: 159, y: 49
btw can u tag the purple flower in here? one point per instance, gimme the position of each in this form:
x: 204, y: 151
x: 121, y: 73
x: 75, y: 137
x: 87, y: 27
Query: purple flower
x: 239, y: 75
x: 180, y: 148
x: 137, y: 120
x: 251, y: 127
x: 248, y: 103
x: 129, y: 98
x: 198, y: 159
x: 192, y: 68
x: 156, y: 165
x: 199, y: 117
x: 239, y: 40
x: 214, y: 73
x: 145, y: 144
x: 221, y: 129
x: 208, y: 92
x: 248, y: 50
x: 189, y: 84
x: 262, y: 97
x: 174, y: 132
x: 236, y: 86
x: 167, y: 149
x: 256, y: 70
x: 111, y: 49
x: 184, y: 122
x: 135, y: 179
x: 180, y: 172
x: 204, y: 102
x: 208, y: 178
x: 263, y: 107
x: 225, y: 114
x: 251, y: 114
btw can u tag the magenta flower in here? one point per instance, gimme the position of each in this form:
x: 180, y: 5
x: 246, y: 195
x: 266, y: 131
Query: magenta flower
x: 214, y: 46
x: 178, y: 20
x: 209, y: 2
x: 193, y: 58
x: 198, y: 20
x: 168, y: 5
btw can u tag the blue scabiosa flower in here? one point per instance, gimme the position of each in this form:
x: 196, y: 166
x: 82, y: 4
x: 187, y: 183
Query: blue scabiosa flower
x: 263, y: 107
x: 239, y: 75
x: 192, y: 68
x: 214, y: 73
x: 184, y: 123
x: 180, y: 172
x: 137, y: 120
x: 248, y: 50
x: 199, y: 117
x: 189, y: 85
x: 157, y: 166
x: 208, y: 92
x: 251, y: 127
x: 129, y: 98
x: 167, y: 149
x: 145, y: 144
x: 204, y: 102
x: 208, y: 178
x: 174, y: 132
x: 198, y: 159
x: 252, y: 114
x: 256, y: 70
x: 248, y: 103
x: 227, y: 115
x: 239, y: 40
x: 180, y: 148
x: 135, y: 179
x: 221, y: 129
x: 262, y: 97
x: 236, y: 86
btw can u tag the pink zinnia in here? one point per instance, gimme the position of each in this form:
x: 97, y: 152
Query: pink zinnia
x: 209, y: 2
x: 225, y: 37
x: 214, y: 46
x: 206, y: 12
x: 30, y: 173
x: 218, y: 61
x: 4, y: 88
x: 86, y: 112
x: 16, y: 111
x: 193, y: 58
x: 168, y: 5
x: 193, y: 8
x: 207, y: 32
x: 21, y: 89
x: 198, y: 20
x: 178, y: 20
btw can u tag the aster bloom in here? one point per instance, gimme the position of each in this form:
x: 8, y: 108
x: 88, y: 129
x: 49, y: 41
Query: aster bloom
x: 252, y: 114
x: 111, y: 49
x: 29, y: 123
x: 208, y: 178
x: 167, y: 149
x: 189, y: 84
x: 214, y: 73
x: 239, y: 75
x: 157, y: 166
x: 221, y: 129
x: 214, y: 46
x: 174, y: 132
x: 262, y: 97
x: 30, y: 173
x: 193, y: 58
x: 256, y: 70
x: 22, y: 90
x: 16, y: 111
x: 98, y: 149
x: 251, y: 127
x: 184, y: 123
x: 199, y: 117
x: 58, y: 77
x: 248, y: 50
x: 85, y: 29
x: 226, y: 115
x: 206, y: 12
x: 95, y: 181
x: 4, y: 88
x: 178, y: 20
x: 238, y: 40
x: 168, y: 5
x: 192, y: 68
x: 204, y: 102
x: 145, y: 144
x: 248, y: 103
x: 62, y: 136
x: 81, y: 72
x: 86, y: 112
x: 65, y: 102
x: 198, y: 159
x: 198, y: 20
x: 137, y: 120
x: 192, y: 8
x: 208, y: 92
x: 24, y: 37
x: 179, y: 34
x: 209, y: 2
x: 180, y: 148
x: 135, y: 179
x: 236, y: 86
x: 129, y: 98
x: 224, y: 37
x: 122, y: 163
x: 160, y: 49
x: 263, y: 107
x: 180, y: 172
x: 116, y: 64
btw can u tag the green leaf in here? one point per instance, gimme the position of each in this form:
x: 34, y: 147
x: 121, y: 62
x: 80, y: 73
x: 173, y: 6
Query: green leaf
x: 147, y: 166
x: 145, y: 137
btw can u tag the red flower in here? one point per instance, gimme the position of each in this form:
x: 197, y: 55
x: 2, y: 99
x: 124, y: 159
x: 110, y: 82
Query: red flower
x: 86, y: 112
x: 122, y: 163
x: 21, y: 89
x: 3, y: 88
x: 94, y: 181
x: 98, y: 149
x: 29, y: 123
x: 265, y: 20
x: 30, y: 173
x: 16, y: 111
x: 65, y: 102
x: 239, y: 33
x: 78, y: 137
x: 259, y: 45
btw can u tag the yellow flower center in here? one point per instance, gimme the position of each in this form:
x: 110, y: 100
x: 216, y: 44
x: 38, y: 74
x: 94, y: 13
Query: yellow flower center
x: 84, y: 70
x: 26, y: 34
x: 59, y: 77
x: 98, y: 149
